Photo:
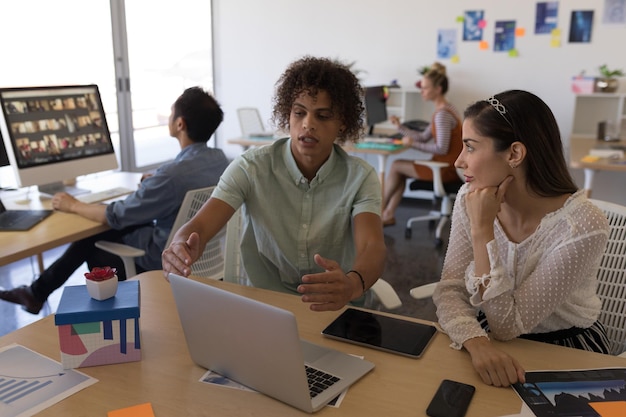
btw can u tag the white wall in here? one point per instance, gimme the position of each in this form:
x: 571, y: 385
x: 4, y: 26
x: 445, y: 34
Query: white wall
x: 255, y: 40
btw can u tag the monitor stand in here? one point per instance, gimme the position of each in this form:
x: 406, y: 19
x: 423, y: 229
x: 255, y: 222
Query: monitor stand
x: 48, y: 190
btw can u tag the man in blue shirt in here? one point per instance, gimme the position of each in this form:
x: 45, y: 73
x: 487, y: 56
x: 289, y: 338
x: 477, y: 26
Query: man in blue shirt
x: 311, y: 212
x: 145, y: 218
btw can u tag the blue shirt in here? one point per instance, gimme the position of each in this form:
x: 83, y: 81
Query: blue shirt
x: 287, y: 219
x: 149, y: 212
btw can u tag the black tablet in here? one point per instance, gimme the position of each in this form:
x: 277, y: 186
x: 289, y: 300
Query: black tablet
x: 377, y: 331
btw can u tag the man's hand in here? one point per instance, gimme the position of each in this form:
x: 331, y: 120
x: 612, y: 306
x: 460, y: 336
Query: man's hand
x: 64, y: 202
x: 180, y: 255
x: 329, y: 290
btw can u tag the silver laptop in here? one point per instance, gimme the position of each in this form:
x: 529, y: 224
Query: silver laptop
x: 258, y: 345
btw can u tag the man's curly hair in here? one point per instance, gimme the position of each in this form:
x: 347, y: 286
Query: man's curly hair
x: 312, y: 74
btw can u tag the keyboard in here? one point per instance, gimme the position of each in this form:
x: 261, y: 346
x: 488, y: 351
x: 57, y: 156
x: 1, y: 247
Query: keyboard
x: 104, y: 195
x: 318, y: 380
x: 20, y: 220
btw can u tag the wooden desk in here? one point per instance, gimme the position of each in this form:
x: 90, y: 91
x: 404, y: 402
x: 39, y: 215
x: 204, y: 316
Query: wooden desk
x: 382, y: 154
x: 59, y: 228
x: 580, y: 147
x: 247, y: 143
x: 167, y: 378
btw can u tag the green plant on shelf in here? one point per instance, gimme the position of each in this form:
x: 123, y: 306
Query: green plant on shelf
x: 607, y: 73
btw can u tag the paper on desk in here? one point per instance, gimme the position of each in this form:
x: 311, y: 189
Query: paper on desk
x: 32, y: 382
x: 524, y: 412
x: 141, y: 410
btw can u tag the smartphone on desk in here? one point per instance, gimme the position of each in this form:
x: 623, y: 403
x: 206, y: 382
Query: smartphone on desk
x: 451, y: 399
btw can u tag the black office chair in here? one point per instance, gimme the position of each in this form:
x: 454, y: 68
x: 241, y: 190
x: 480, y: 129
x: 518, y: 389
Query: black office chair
x: 443, y: 198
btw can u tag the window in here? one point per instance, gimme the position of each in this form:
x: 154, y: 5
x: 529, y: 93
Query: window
x: 157, y: 49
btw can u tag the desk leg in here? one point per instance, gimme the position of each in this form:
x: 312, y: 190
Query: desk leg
x: 40, y: 262
x: 382, y: 166
x: 589, y: 173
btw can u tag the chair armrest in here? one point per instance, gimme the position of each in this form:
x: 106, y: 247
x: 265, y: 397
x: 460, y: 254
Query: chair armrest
x: 423, y: 291
x: 119, y: 249
x: 386, y: 294
x: 435, y: 167
x: 127, y: 253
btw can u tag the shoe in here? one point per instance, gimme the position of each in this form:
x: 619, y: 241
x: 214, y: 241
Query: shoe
x: 22, y: 295
x: 389, y: 222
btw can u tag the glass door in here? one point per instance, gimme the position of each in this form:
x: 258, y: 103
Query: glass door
x: 168, y: 49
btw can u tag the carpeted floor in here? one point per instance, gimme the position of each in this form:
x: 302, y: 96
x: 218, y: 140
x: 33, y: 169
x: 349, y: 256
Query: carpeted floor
x: 415, y: 261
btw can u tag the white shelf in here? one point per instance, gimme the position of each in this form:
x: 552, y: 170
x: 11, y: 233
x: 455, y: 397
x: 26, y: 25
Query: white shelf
x: 407, y: 104
x: 590, y: 109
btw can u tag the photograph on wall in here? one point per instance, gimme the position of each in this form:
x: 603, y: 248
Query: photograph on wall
x: 504, y: 36
x: 580, y: 26
x: 583, y: 392
x: 446, y: 43
x: 472, y: 25
x: 614, y: 12
x: 546, y: 17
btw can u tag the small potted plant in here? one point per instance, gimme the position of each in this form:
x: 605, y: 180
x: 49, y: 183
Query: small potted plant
x: 101, y: 282
x: 607, y: 82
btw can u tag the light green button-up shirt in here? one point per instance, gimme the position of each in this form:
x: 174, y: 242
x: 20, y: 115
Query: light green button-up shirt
x: 287, y: 219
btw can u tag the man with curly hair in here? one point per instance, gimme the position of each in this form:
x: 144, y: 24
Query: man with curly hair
x: 311, y: 212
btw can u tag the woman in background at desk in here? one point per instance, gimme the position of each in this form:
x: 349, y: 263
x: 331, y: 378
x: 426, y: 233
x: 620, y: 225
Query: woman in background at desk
x: 442, y: 138
x: 525, y: 243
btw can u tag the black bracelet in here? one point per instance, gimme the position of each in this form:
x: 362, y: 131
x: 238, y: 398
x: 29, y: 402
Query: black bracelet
x: 360, y: 277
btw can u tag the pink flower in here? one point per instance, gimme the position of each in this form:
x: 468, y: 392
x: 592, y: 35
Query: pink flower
x: 101, y: 274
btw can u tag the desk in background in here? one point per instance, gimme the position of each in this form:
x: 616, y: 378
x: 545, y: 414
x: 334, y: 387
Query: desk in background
x: 382, y: 154
x: 58, y: 228
x: 580, y: 147
x: 247, y: 142
x: 167, y: 378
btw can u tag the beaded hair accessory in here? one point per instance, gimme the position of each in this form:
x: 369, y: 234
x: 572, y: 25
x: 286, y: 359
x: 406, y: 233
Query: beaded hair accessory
x: 495, y: 103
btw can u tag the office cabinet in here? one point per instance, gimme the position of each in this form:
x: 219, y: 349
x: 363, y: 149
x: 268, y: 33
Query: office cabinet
x: 590, y: 109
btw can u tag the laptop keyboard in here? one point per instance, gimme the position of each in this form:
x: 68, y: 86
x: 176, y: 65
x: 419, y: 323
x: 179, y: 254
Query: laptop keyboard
x: 318, y: 380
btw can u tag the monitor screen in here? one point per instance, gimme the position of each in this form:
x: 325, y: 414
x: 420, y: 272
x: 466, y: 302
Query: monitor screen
x: 375, y: 106
x: 55, y: 133
x: 4, y: 157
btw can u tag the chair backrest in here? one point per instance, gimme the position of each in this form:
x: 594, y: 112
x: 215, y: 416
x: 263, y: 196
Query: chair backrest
x: 250, y: 121
x: 612, y: 277
x: 233, y: 268
x: 211, y: 263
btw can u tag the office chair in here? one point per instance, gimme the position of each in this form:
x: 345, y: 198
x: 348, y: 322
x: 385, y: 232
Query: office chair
x: 209, y: 265
x: 611, y: 279
x: 250, y: 122
x: 443, y: 197
x: 234, y: 271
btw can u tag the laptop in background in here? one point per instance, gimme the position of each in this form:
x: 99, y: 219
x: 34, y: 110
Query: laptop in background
x: 20, y: 220
x: 258, y: 345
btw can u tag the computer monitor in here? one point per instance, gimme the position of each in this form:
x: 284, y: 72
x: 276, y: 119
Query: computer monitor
x: 4, y: 157
x: 375, y: 106
x: 54, y: 134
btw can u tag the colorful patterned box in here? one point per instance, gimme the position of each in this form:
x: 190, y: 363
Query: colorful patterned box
x: 95, y: 332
